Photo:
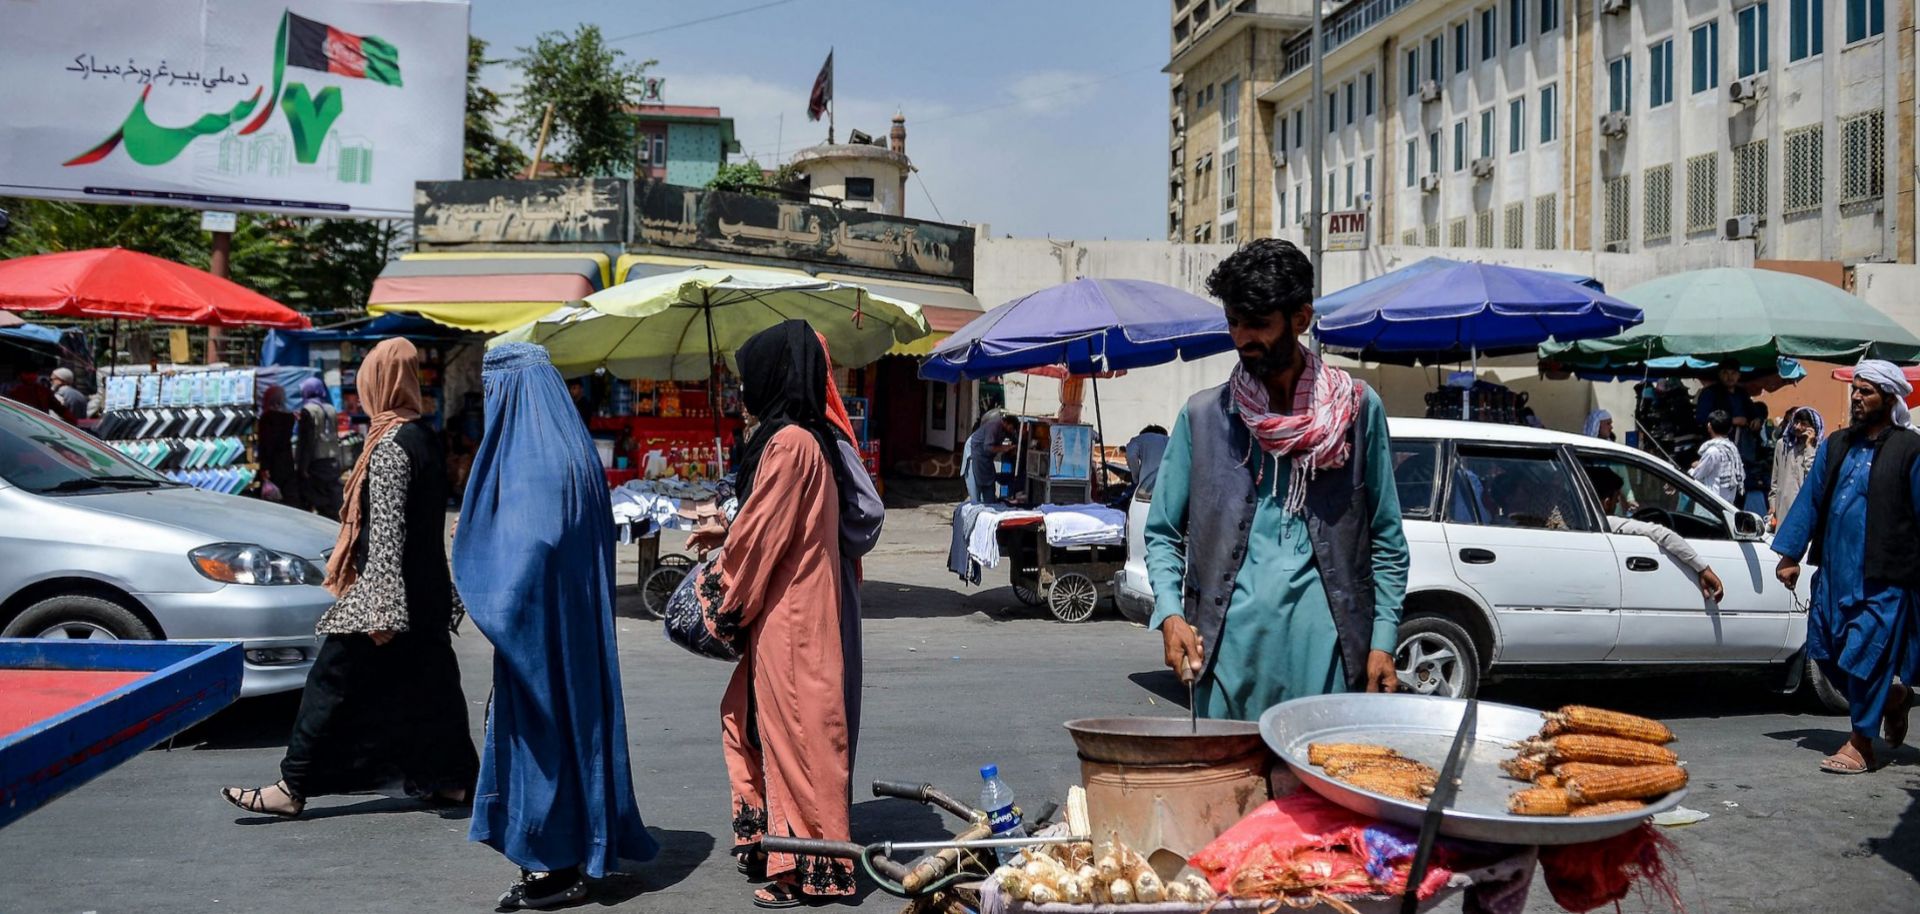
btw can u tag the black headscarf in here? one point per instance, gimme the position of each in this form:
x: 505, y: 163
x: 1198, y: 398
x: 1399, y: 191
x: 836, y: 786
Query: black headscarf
x: 783, y: 381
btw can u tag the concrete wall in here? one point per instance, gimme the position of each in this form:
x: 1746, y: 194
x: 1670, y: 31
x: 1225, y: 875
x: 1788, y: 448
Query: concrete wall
x: 1005, y: 269
x: 828, y: 178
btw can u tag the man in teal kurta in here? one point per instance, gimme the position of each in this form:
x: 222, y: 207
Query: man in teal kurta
x: 1274, y: 544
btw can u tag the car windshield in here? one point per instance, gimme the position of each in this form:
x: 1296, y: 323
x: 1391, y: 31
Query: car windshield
x: 44, y: 456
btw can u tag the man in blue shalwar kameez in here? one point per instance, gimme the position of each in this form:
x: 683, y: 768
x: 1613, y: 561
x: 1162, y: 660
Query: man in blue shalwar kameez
x: 1859, y: 514
x: 1274, y: 545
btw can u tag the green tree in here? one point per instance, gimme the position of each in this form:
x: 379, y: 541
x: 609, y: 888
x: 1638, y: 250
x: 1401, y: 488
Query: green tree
x: 489, y: 154
x: 739, y: 178
x: 589, y: 87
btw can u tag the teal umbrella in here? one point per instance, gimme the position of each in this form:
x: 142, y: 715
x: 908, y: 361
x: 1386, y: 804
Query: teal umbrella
x: 1754, y: 316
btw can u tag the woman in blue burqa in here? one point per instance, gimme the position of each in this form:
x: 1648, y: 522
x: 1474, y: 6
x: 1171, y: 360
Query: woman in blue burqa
x: 533, y: 558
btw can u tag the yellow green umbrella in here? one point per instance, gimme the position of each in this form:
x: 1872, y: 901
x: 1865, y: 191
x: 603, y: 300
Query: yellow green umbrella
x: 673, y: 326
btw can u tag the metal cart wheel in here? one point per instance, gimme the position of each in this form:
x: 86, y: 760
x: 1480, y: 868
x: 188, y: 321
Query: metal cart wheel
x: 1025, y: 594
x: 659, y: 586
x: 1073, y: 597
x: 676, y: 560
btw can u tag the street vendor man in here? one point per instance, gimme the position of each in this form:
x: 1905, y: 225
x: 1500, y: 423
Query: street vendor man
x: 1274, y: 544
x: 1859, y: 514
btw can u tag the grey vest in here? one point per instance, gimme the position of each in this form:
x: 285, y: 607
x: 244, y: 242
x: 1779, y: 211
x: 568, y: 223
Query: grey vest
x: 1220, y: 513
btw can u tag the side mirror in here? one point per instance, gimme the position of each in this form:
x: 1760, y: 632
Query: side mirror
x: 1749, y: 527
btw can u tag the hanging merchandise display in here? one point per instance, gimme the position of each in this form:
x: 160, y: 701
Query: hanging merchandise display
x: 194, y: 426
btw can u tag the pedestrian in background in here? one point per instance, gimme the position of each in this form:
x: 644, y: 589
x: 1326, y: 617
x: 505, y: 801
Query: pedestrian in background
x: 73, y: 400
x: 787, y: 720
x: 1599, y: 425
x: 273, y: 432
x: 1793, y: 459
x: 533, y: 559
x: 980, y: 459
x: 316, y: 452
x: 1719, y: 466
x: 1857, y: 519
x: 383, y: 697
x: 1723, y: 394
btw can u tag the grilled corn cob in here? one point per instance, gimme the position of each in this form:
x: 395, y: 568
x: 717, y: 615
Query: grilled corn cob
x: 1601, y: 722
x: 1627, y: 784
x: 1548, y: 780
x: 1524, y: 768
x: 1407, y: 785
x: 1577, y: 769
x: 1608, y: 808
x: 1604, y: 750
x: 1321, y: 753
x: 1540, y: 801
x: 1346, y: 764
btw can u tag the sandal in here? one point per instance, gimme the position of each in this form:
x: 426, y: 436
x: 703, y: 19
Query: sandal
x: 1894, y: 728
x: 250, y: 800
x: 1835, y: 764
x: 545, y: 891
x: 753, y: 865
x: 780, y: 895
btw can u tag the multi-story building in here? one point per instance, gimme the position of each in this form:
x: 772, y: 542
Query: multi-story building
x: 1225, y: 54
x: 1609, y: 125
x: 681, y: 144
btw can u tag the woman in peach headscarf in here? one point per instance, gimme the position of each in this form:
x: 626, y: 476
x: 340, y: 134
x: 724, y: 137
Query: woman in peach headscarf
x: 383, y: 697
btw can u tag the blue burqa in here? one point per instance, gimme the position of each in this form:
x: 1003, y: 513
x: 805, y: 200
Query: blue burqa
x: 533, y: 560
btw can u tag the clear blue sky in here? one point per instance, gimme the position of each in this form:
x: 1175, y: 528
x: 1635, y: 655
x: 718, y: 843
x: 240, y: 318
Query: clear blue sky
x: 1040, y: 118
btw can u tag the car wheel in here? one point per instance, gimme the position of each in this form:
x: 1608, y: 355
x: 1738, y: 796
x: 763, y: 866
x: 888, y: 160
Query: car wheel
x: 1436, y: 657
x: 80, y: 618
x: 1820, y: 692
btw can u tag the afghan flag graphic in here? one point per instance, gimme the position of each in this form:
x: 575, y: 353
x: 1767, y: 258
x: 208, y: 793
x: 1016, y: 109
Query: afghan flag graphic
x: 318, y: 46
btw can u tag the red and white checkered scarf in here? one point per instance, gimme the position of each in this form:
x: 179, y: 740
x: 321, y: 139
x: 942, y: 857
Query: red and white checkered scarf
x: 1314, y: 432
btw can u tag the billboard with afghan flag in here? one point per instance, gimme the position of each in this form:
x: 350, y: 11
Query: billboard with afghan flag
x: 326, y: 107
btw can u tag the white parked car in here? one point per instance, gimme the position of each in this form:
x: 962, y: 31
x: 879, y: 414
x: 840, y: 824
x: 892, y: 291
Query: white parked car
x: 1515, y: 574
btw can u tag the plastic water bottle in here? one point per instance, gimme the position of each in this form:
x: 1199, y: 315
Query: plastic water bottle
x: 1002, y: 815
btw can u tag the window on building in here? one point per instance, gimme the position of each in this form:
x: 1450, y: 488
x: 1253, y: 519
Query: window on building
x: 1546, y: 222
x: 1863, y: 157
x: 1349, y: 185
x: 1515, y: 224
x: 1517, y: 125
x: 1413, y: 162
x: 1620, y: 84
x: 1806, y: 169
x: 1806, y: 28
x: 1489, y: 32
x: 1282, y: 210
x: 1333, y: 193
x: 1483, y: 229
x: 1752, y: 23
x: 658, y: 151
x: 1660, y: 73
x: 1230, y: 110
x: 1413, y: 71
x: 1549, y: 15
x: 1865, y: 19
x: 1433, y: 234
x: 1516, y: 23
x: 1549, y: 113
x: 1433, y: 153
x: 1230, y: 233
x: 1173, y: 226
x: 1351, y: 90
x: 1617, y: 197
x: 1333, y: 111
x: 1460, y: 55
x: 1410, y: 237
x: 1656, y: 198
x: 1299, y: 128
x: 1457, y: 233
x: 1369, y: 79
x: 1703, y: 193
x: 860, y: 188
x: 1486, y: 134
x: 1750, y: 179
x: 1436, y: 57
x: 1299, y: 203
x: 1229, y: 180
x: 1368, y: 187
x: 1460, y: 145
x: 1706, y: 57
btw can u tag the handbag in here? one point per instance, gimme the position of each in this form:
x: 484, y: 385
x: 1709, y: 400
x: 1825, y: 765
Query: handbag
x: 693, y: 619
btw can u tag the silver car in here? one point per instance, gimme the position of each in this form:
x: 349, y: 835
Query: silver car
x: 93, y: 545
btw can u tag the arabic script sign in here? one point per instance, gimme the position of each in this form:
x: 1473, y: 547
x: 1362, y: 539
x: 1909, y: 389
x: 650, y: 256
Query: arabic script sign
x: 552, y: 211
x: 336, y: 107
x: 670, y: 215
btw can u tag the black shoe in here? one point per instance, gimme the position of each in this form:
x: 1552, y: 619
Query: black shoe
x: 545, y: 891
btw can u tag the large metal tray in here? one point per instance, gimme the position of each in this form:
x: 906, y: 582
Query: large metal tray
x: 1422, y: 727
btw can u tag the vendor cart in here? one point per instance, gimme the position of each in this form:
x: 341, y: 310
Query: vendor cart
x: 659, y: 575
x: 1054, y: 461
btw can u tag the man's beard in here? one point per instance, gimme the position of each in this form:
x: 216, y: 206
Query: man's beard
x: 1880, y: 416
x: 1274, y: 360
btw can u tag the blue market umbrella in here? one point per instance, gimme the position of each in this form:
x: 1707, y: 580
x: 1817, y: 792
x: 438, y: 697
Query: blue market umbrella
x: 1441, y: 310
x: 1087, y: 326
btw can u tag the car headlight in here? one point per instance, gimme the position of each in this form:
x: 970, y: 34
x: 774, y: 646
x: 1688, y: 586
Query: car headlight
x: 240, y: 563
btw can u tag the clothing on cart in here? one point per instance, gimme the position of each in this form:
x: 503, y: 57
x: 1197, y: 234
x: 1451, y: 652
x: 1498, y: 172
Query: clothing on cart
x: 1084, y: 525
x: 534, y: 559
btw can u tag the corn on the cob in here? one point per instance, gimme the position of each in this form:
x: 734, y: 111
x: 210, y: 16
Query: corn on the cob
x: 1524, y: 768
x: 1540, y: 801
x: 1604, y: 750
x: 1548, y: 780
x: 1407, y: 785
x: 1627, y: 784
x: 1576, y: 769
x: 1601, y: 722
x: 1347, y: 764
x: 1609, y: 808
x: 1321, y: 753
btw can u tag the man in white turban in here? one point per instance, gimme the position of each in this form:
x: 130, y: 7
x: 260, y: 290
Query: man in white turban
x: 1859, y: 514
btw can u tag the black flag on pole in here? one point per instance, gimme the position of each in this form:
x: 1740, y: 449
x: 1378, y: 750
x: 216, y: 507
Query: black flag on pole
x: 822, y: 90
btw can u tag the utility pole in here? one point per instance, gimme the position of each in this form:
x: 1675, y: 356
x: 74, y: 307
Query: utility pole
x: 1315, y: 149
x: 540, y: 145
x: 220, y: 226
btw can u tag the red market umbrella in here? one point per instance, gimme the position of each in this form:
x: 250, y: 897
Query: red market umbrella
x: 1911, y: 371
x: 120, y: 284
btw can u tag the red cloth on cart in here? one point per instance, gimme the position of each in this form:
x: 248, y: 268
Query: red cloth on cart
x: 33, y: 696
x: 1313, y: 837
x: 1582, y: 877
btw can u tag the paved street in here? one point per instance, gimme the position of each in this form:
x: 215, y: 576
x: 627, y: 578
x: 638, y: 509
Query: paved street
x: 954, y: 679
